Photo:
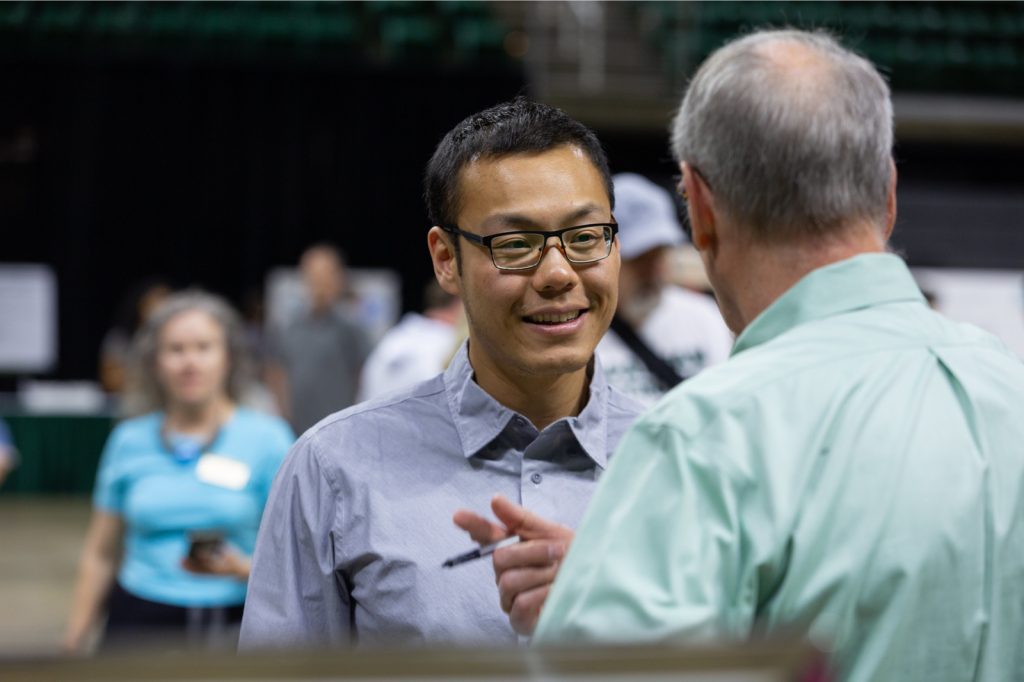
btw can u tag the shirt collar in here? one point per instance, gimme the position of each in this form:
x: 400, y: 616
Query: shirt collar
x: 479, y: 418
x: 863, y: 281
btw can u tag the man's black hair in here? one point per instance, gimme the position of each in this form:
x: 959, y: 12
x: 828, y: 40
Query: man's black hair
x: 519, y: 126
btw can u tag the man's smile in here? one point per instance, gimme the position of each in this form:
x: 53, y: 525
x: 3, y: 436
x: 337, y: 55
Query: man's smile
x: 554, y: 317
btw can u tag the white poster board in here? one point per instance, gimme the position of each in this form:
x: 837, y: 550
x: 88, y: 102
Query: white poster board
x: 28, y: 318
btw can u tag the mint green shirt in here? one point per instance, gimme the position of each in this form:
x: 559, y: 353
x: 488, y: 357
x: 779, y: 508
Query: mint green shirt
x: 854, y: 474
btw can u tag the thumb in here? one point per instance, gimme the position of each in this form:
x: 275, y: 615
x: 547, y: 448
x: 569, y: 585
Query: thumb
x: 524, y: 523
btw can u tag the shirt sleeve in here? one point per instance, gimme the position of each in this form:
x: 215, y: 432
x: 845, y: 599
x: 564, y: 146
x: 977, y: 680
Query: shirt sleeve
x: 659, y: 556
x: 295, y: 595
x: 111, y: 484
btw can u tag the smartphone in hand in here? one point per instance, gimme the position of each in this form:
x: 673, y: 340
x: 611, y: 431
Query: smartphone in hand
x: 203, y: 544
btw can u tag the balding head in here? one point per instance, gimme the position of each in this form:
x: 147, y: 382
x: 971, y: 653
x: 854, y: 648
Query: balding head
x: 792, y: 132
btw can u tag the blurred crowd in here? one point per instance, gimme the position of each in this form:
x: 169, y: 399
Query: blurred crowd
x: 209, y: 401
x: 322, y: 357
x: 319, y: 358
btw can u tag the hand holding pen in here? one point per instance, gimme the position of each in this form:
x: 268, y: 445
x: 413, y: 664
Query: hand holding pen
x: 480, y: 552
x: 524, y: 570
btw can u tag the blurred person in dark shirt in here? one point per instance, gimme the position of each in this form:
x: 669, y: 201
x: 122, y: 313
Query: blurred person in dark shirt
x: 316, y: 357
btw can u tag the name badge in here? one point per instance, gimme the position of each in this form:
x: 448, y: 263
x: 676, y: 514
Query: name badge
x: 222, y: 471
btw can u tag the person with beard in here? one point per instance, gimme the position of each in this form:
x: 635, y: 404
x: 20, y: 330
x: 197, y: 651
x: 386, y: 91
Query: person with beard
x: 662, y: 334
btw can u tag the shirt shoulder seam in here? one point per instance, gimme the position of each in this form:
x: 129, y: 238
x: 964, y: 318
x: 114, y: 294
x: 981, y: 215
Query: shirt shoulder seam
x: 750, y: 392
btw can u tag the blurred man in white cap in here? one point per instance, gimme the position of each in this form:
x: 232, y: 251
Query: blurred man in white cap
x: 662, y: 334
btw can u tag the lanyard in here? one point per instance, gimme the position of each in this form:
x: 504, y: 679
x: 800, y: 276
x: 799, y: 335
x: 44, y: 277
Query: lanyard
x: 183, y: 448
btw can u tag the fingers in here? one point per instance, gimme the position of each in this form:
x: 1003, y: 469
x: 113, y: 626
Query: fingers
x: 524, y: 568
x: 526, y: 524
x: 531, y: 554
x: 525, y: 611
x: 524, y: 571
x: 516, y: 520
x: 480, y: 529
x: 193, y: 566
x: 514, y: 585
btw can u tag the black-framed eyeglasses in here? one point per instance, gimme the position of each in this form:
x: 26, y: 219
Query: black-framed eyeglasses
x: 524, y: 249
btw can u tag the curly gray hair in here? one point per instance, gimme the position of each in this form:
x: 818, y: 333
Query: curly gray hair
x: 144, y: 393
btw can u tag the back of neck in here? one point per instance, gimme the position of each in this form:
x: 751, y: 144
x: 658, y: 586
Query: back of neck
x: 769, y: 271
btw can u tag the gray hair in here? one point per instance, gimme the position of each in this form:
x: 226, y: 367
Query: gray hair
x: 789, y: 157
x: 144, y: 393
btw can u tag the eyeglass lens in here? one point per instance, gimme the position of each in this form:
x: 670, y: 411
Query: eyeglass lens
x: 525, y: 249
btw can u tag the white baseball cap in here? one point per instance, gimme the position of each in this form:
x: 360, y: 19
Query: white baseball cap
x: 646, y: 215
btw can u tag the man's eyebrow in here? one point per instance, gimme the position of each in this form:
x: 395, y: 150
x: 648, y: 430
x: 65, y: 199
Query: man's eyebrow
x: 522, y: 221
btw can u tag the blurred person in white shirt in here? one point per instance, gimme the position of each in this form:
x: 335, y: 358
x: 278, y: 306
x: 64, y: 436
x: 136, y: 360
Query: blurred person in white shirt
x: 681, y: 329
x: 418, y: 347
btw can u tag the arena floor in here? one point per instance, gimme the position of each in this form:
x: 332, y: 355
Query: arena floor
x: 40, y: 539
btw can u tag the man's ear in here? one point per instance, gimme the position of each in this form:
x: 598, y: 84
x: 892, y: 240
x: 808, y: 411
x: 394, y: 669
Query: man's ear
x: 442, y: 253
x: 700, y: 208
x: 890, y: 203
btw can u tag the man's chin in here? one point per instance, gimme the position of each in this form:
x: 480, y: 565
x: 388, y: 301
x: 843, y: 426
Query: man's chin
x: 562, y: 362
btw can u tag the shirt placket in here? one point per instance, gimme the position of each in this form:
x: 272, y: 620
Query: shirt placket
x: 543, y: 480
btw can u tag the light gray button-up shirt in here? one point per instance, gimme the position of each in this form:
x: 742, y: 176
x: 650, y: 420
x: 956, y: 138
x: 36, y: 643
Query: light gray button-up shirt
x: 360, y: 516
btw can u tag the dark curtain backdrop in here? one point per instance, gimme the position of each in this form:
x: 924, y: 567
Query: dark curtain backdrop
x: 211, y: 175
x: 960, y: 204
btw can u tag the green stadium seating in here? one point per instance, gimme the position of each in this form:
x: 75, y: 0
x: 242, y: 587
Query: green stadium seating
x: 459, y: 31
x: 971, y: 47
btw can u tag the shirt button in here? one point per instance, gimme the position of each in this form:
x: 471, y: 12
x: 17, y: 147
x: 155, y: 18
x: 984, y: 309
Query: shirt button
x: 536, y: 478
x: 520, y: 421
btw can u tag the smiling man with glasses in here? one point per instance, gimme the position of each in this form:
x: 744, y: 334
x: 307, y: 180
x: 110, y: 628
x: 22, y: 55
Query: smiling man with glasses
x: 360, y: 518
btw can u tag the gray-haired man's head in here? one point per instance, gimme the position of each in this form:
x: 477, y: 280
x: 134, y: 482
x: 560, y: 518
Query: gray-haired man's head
x: 792, y: 132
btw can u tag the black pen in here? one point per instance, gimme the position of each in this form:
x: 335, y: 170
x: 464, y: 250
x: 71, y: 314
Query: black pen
x: 480, y: 552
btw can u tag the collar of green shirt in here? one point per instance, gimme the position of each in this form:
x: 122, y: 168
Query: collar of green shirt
x: 863, y: 281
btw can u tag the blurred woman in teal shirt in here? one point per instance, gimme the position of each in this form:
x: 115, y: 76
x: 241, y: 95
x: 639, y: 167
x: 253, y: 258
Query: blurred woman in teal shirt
x: 196, y: 465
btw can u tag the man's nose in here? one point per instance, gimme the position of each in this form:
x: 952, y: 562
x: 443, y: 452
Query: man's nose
x: 554, y: 272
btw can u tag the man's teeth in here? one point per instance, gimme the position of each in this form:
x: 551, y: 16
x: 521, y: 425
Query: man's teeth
x: 554, y: 318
